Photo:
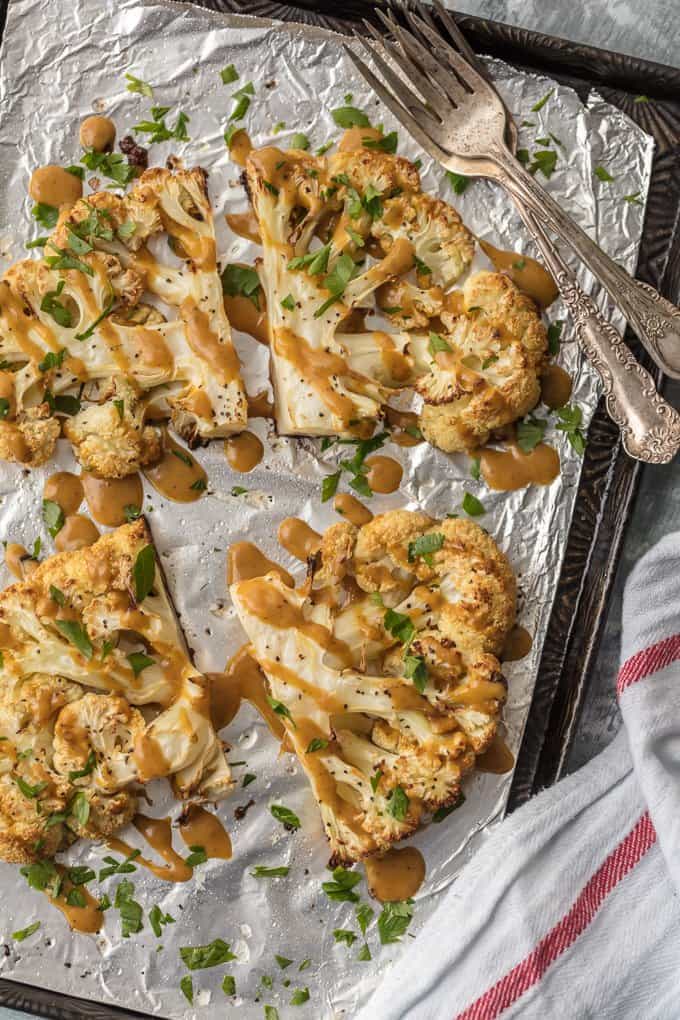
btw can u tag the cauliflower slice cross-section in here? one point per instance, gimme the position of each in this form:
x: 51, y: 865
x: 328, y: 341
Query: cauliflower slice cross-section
x: 97, y: 694
x: 387, y: 700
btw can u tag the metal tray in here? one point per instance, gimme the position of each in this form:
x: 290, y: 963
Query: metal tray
x: 609, y: 480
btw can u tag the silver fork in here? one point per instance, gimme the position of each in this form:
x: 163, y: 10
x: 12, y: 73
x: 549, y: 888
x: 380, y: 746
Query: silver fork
x: 650, y: 427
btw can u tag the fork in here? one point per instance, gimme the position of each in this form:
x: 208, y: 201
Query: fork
x: 650, y: 427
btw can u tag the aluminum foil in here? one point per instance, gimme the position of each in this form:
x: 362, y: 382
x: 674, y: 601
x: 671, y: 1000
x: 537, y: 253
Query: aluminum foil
x: 56, y: 68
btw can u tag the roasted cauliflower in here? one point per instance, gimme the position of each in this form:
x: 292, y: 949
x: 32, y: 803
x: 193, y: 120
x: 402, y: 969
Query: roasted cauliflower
x: 78, y: 315
x: 318, y: 218
x: 86, y: 641
x: 388, y: 698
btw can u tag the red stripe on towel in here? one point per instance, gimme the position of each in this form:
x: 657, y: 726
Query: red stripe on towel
x: 530, y: 971
x: 648, y: 661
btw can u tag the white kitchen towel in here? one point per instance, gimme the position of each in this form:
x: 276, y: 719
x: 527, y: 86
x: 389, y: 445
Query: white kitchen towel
x: 571, y: 910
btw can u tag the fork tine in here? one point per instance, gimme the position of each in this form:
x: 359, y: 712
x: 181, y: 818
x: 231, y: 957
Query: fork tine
x: 399, y: 111
x: 462, y: 45
x: 431, y: 91
x: 466, y: 72
x: 408, y: 99
x: 414, y: 50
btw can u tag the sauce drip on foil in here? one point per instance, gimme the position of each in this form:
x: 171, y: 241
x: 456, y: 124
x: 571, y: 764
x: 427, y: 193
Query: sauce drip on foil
x: 510, y: 469
x: 395, y: 875
x: 350, y: 507
x: 107, y: 498
x: 384, y: 473
x: 556, y: 386
x: 55, y: 186
x: 517, y: 644
x: 177, y: 475
x: 199, y: 827
x: 244, y: 451
x: 298, y: 538
x: 98, y: 133
x: 77, y: 533
x: 65, y: 489
x: 529, y: 275
x: 245, y: 560
x: 498, y: 758
x: 242, y: 680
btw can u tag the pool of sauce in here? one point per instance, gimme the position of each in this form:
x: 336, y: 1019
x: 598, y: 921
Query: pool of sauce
x: 77, y: 533
x: 66, y: 490
x: 350, y: 507
x: 199, y: 827
x: 240, y: 147
x: 244, y: 451
x: 245, y: 560
x: 556, y: 387
x: 498, y: 758
x: 260, y: 406
x: 511, y: 469
x: 402, y: 420
x: 107, y: 497
x: 55, y: 186
x: 298, y: 538
x: 395, y: 875
x: 247, y: 317
x: 384, y: 473
x: 517, y: 644
x: 532, y: 278
x: 87, y: 920
x: 98, y: 133
x: 173, y: 477
x: 245, y: 225
x: 157, y: 832
x: 242, y: 680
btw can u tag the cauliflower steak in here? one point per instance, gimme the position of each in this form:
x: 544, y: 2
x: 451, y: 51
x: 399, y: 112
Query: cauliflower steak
x: 353, y: 235
x: 104, y: 309
x: 97, y: 694
x: 384, y: 668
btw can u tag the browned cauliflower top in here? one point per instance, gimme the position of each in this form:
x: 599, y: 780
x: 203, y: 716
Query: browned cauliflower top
x: 385, y: 662
x: 73, y: 317
x: 85, y: 641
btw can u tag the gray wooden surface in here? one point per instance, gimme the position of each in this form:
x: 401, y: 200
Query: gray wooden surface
x: 615, y: 25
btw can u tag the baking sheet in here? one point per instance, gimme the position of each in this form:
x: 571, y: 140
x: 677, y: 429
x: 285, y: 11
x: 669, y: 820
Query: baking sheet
x: 55, y: 71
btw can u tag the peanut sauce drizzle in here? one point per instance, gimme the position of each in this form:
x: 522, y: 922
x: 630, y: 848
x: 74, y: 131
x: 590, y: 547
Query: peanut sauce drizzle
x: 88, y: 919
x: 403, y: 420
x: 244, y: 451
x: 19, y: 561
x: 98, y: 133
x: 384, y: 474
x: 246, y: 316
x: 199, y: 827
x: 556, y: 386
x: 265, y: 601
x: 511, y: 469
x: 260, y: 406
x: 298, y: 539
x: 397, y: 364
x: 240, y: 147
x: 350, y: 507
x: 217, y: 352
x: 107, y: 497
x: 498, y: 758
x: 242, y: 680
x: 529, y: 275
x: 317, y: 367
x: 245, y: 560
x: 245, y: 225
x: 353, y: 138
x: 66, y: 490
x: 176, y: 473
x: 158, y: 834
x: 517, y: 644
x: 395, y: 875
x: 77, y: 533
x: 55, y: 186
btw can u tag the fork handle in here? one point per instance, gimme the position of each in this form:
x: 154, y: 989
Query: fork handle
x: 650, y: 427
x: 655, y: 320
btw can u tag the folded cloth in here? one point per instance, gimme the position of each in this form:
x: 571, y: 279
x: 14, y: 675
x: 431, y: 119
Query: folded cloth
x: 570, y: 910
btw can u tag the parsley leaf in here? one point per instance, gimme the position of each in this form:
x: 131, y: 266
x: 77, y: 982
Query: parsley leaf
x: 342, y: 886
x: 229, y: 984
x: 282, y: 961
x: 284, y: 815
x: 59, y: 312
x: 350, y: 116
x: 77, y: 635
x: 394, y: 920
x: 443, y: 812
x: 457, y: 181
x: 365, y: 915
x: 570, y: 419
x: 399, y: 626
x: 53, y: 516
x: 143, y: 572
x: 316, y: 744
x: 424, y: 546
x: 345, y: 935
x: 137, y: 85
x: 329, y: 486
x: 437, y: 344
x: 398, y: 803
x: 530, y: 433
x: 130, y: 910
x: 554, y: 334
x: 46, y: 215
x: 139, y: 661
x: 187, y: 987
x: 241, y: 280
x: 23, y: 933
x: 388, y: 143
x: 229, y: 74
x: 280, y: 709
x: 299, y: 996
x: 260, y: 871
x: 200, y: 957
x: 473, y: 506
x: 299, y: 141
x: 416, y: 670
x: 541, y: 102
x: 157, y: 919
x: 603, y: 175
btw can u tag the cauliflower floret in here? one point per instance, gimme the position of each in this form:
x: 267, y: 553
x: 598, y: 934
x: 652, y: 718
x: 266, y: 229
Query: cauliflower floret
x: 30, y: 794
x: 104, y: 218
x: 31, y: 439
x: 409, y: 306
x: 103, y: 725
x: 442, y: 243
x: 483, y: 373
x: 399, y: 701
x: 110, y: 443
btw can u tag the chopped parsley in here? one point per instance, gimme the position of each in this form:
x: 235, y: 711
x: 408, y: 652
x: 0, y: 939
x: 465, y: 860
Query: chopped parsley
x: 364, y: 953
x: 280, y: 709
x: 284, y: 815
x: 603, y: 175
x: 137, y: 85
x: 365, y: 915
x: 345, y: 935
x: 132, y: 512
x: 260, y: 871
x: 77, y: 635
x: 342, y: 886
x: 398, y: 803
x: 229, y: 74
x: 570, y: 420
x: 200, y: 957
x: 316, y: 744
x: 24, y: 933
x: 242, y: 101
x: 632, y: 199
x: 350, y: 116
x: 187, y: 987
x: 530, y: 433
x: 53, y: 516
x: 416, y: 670
x: 158, y: 130
x: 59, y: 312
x: 249, y: 778
x: 424, y: 546
x: 299, y: 996
x: 388, y: 143
x: 329, y: 486
x: 243, y: 281
x: 282, y: 961
x: 119, y: 867
x: 288, y: 302
x: 87, y: 333
x: 46, y: 215
x: 399, y: 626
x: 394, y: 920
x: 57, y: 595
x: 457, y: 181
x: 444, y: 812
x: 87, y: 769
x: 437, y: 343
x: 112, y: 165
x: 139, y: 662
x: 475, y: 468
x: 131, y: 912
x: 229, y: 984
x: 143, y: 572
x: 157, y: 919
x: 473, y: 506
x: 299, y: 141
x: 541, y: 102
x: 554, y: 334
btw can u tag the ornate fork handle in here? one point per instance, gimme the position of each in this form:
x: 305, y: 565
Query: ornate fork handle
x: 650, y: 428
x: 654, y: 319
